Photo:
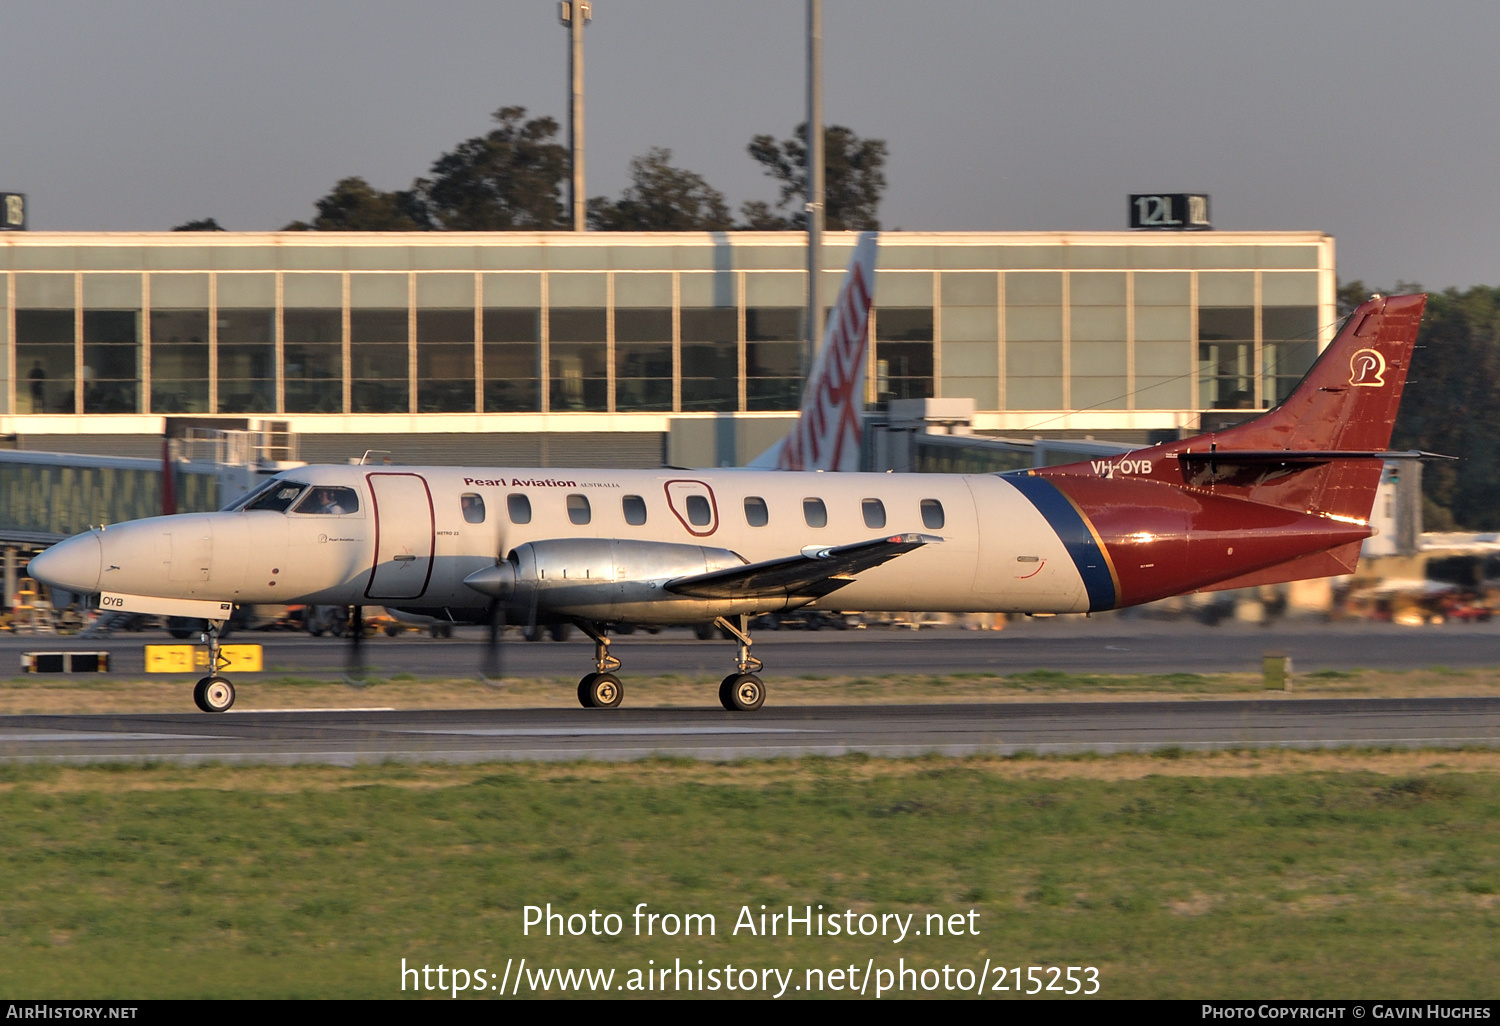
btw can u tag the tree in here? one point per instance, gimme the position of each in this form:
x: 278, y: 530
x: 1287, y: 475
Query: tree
x: 1350, y: 294
x: 853, y: 180
x: 510, y: 179
x: 206, y: 224
x: 661, y: 198
x: 354, y: 205
x: 760, y: 217
x: 1451, y: 405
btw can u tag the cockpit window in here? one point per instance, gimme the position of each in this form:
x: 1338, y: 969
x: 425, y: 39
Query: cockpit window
x: 326, y: 500
x: 278, y: 497
x: 252, y: 495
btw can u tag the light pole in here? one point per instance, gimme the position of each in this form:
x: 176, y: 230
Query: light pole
x: 585, y: 13
x: 814, y: 179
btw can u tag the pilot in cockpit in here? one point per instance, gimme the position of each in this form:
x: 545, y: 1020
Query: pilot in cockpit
x: 329, y: 501
x: 326, y: 500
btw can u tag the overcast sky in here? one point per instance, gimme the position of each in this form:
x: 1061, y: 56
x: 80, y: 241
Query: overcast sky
x: 1373, y: 120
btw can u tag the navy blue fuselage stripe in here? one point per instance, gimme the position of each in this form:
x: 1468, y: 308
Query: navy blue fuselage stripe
x: 1064, y: 518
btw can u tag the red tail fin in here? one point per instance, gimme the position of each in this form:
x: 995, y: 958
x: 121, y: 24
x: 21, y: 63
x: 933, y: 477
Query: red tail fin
x: 1348, y: 400
x: 1347, y: 403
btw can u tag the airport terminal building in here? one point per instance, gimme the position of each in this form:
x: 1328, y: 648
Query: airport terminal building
x: 633, y: 349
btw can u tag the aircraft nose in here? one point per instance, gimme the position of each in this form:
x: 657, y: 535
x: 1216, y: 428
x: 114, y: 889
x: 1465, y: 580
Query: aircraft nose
x: 73, y: 565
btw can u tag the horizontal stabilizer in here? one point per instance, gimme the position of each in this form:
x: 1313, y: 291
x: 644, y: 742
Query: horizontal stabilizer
x: 1303, y: 455
x: 815, y: 572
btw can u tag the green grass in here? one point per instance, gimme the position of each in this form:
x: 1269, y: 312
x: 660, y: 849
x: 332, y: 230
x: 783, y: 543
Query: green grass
x: 1059, y: 681
x: 177, y: 882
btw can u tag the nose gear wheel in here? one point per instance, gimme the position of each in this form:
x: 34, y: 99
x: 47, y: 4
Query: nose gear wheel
x: 213, y: 695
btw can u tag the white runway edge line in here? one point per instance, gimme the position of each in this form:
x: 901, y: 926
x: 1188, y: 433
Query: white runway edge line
x: 605, y: 731
x: 323, y: 709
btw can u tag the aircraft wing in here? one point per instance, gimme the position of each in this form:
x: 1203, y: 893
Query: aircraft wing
x: 815, y: 571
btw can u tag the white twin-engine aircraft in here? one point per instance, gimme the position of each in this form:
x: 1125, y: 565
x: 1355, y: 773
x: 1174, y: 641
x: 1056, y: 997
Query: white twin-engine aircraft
x: 1283, y: 497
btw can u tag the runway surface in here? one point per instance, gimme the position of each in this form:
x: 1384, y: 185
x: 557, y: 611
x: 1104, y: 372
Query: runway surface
x: 351, y: 737
x: 1115, y: 644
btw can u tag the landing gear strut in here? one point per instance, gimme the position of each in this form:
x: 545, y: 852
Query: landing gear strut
x: 600, y: 689
x: 213, y: 694
x: 742, y: 691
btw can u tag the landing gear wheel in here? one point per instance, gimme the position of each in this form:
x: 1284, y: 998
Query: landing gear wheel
x: 600, y: 691
x: 585, y: 693
x: 742, y: 692
x: 213, y: 694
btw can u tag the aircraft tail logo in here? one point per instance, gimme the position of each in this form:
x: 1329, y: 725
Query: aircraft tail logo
x: 827, y: 435
x: 1367, y: 369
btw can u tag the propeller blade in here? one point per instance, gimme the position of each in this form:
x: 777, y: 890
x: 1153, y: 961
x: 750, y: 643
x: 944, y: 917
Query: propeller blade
x: 354, y: 674
x: 492, y: 666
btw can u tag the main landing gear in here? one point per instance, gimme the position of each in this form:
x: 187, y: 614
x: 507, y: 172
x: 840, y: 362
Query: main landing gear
x: 741, y: 691
x: 213, y: 694
x: 600, y: 689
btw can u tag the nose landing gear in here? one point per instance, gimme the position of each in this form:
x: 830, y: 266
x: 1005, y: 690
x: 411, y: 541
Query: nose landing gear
x: 213, y: 694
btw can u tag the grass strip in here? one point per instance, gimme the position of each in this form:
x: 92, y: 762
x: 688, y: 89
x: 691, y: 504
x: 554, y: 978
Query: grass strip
x: 1246, y: 874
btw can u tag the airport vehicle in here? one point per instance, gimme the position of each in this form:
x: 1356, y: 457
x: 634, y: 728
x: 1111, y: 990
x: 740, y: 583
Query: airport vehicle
x: 1282, y: 497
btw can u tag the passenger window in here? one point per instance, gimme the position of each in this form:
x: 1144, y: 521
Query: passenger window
x: 932, y: 513
x: 473, y: 505
x: 329, y: 502
x: 578, y: 509
x: 874, y: 511
x: 698, y: 511
x: 815, y: 513
x: 519, y: 508
x: 756, y: 514
x: 279, y: 498
x: 635, y: 510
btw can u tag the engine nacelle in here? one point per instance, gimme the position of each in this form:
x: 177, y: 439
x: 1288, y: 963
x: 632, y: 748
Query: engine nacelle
x: 606, y: 580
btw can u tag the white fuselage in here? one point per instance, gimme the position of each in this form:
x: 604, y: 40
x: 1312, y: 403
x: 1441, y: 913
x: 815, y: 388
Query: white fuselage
x: 410, y: 543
